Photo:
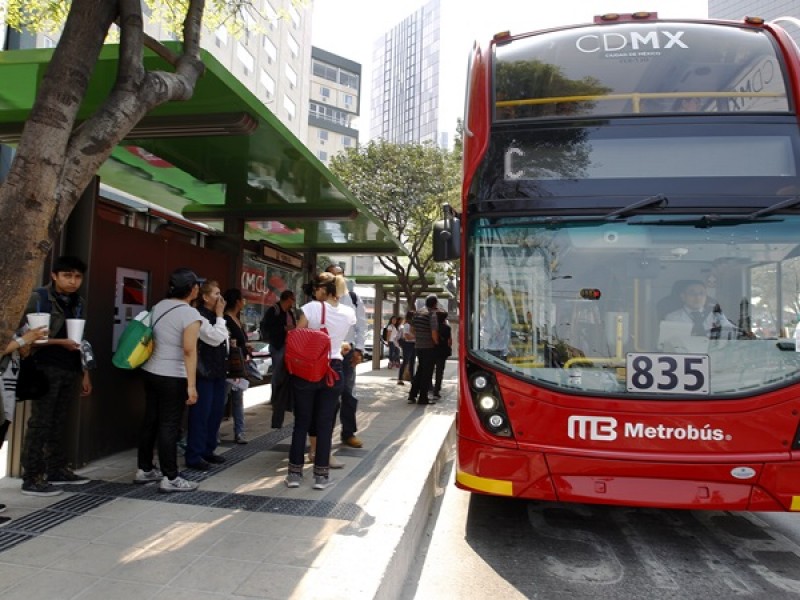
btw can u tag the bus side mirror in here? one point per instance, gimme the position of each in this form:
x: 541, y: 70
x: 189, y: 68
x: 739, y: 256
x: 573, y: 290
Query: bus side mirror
x: 447, y: 239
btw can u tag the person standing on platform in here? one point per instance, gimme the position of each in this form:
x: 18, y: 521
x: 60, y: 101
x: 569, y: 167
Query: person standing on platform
x: 234, y: 303
x: 354, y: 357
x: 426, y: 330
x: 277, y: 320
x: 44, y: 459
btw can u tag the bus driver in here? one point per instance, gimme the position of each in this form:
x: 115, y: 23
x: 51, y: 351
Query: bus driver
x: 706, y: 319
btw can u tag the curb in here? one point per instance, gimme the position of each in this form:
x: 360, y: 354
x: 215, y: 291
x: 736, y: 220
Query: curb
x: 372, y: 557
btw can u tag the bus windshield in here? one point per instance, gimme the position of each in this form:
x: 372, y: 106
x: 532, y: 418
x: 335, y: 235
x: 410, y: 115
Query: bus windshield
x: 667, y: 304
x: 638, y: 68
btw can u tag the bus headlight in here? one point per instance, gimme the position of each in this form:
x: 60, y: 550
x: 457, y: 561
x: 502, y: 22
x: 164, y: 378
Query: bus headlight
x: 487, y: 403
x: 497, y: 421
x: 480, y: 382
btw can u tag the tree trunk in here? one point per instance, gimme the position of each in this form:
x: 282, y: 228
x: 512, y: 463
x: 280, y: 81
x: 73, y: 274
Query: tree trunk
x: 55, y: 161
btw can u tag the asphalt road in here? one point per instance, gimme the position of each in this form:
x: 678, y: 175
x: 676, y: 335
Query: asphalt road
x: 486, y: 547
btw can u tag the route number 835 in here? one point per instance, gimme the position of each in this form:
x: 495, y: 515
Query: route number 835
x: 657, y: 373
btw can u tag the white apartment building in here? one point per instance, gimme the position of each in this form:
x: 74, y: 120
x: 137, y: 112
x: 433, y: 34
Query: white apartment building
x: 271, y: 57
x: 334, y: 104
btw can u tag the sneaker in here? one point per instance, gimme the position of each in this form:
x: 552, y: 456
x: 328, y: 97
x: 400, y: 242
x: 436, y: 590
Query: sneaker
x: 214, y: 459
x: 321, y: 482
x: 66, y: 477
x: 400, y: 383
x: 428, y: 401
x: 179, y: 484
x: 437, y: 395
x: 200, y: 465
x: 241, y: 439
x: 333, y: 464
x: 411, y: 401
x: 293, y: 480
x: 39, y: 487
x: 143, y: 476
x: 2, y: 507
x: 353, y: 442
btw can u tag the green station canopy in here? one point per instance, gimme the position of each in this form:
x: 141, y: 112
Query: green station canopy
x: 221, y: 155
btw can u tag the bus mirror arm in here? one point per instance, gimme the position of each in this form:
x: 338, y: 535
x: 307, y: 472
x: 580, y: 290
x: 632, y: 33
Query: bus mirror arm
x: 447, y: 236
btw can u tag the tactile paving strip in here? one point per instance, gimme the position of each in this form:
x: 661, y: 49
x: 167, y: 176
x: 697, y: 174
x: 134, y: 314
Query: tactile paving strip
x: 96, y: 493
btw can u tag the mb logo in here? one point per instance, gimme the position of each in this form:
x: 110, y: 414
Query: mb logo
x: 603, y: 429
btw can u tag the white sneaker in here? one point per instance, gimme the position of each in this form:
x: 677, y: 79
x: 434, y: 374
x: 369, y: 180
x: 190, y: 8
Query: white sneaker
x: 147, y: 476
x: 293, y: 480
x: 179, y: 484
x: 321, y: 482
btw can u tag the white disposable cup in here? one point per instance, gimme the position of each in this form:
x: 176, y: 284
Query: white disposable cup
x: 36, y: 320
x: 75, y: 329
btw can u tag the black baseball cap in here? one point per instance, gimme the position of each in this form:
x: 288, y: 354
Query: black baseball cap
x: 184, y: 278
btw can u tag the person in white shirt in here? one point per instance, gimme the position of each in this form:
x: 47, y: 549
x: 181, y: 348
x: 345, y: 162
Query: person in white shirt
x: 316, y: 402
x: 355, y: 339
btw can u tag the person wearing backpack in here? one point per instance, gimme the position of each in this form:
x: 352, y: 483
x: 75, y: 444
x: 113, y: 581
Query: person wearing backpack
x: 316, y: 401
x: 44, y: 460
x: 392, y: 332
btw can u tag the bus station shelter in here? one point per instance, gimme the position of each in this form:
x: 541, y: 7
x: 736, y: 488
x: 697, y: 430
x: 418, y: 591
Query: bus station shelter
x: 222, y: 158
x: 228, y: 183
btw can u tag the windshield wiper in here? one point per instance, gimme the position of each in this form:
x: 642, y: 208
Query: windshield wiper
x: 658, y: 199
x: 788, y: 203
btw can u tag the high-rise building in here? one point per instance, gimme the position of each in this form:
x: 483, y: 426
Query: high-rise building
x: 405, y: 80
x: 334, y: 103
x: 769, y: 9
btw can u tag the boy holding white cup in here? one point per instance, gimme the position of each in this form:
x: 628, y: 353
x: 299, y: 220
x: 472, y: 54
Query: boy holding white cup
x: 59, y: 359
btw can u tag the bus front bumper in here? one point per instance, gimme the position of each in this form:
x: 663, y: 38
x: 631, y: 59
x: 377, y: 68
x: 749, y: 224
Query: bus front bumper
x: 566, y: 478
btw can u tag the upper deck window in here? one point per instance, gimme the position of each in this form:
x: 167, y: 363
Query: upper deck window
x: 639, y: 68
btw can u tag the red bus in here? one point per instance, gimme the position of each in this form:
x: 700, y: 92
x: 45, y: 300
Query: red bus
x: 629, y: 239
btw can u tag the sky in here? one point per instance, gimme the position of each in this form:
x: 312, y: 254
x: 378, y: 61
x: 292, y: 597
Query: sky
x: 349, y: 28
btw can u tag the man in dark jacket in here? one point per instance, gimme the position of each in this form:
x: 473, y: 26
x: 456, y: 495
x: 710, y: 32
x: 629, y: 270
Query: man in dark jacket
x: 59, y: 359
x: 277, y: 320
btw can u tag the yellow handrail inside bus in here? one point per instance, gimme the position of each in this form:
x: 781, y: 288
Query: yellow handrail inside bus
x: 637, y: 97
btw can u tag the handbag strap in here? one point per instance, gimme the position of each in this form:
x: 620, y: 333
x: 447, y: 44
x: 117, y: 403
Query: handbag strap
x: 166, y: 312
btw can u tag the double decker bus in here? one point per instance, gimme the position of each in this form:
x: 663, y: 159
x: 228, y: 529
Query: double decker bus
x: 629, y: 242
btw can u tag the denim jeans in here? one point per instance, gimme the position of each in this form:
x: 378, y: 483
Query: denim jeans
x: 409, y: 356
x: 236, y: 398
x: 205, y: 418
x: 314, y: 401
x: 165, y: 398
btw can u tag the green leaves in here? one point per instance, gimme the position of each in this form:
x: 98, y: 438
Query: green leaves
x: 405, y: 187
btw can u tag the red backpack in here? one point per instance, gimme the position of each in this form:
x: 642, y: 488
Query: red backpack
x: 308, y: 353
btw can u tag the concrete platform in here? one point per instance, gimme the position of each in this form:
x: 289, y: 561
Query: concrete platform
x: 243, y: 534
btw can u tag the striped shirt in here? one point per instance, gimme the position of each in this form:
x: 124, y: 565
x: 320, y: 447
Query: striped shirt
x: 424, y: 324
